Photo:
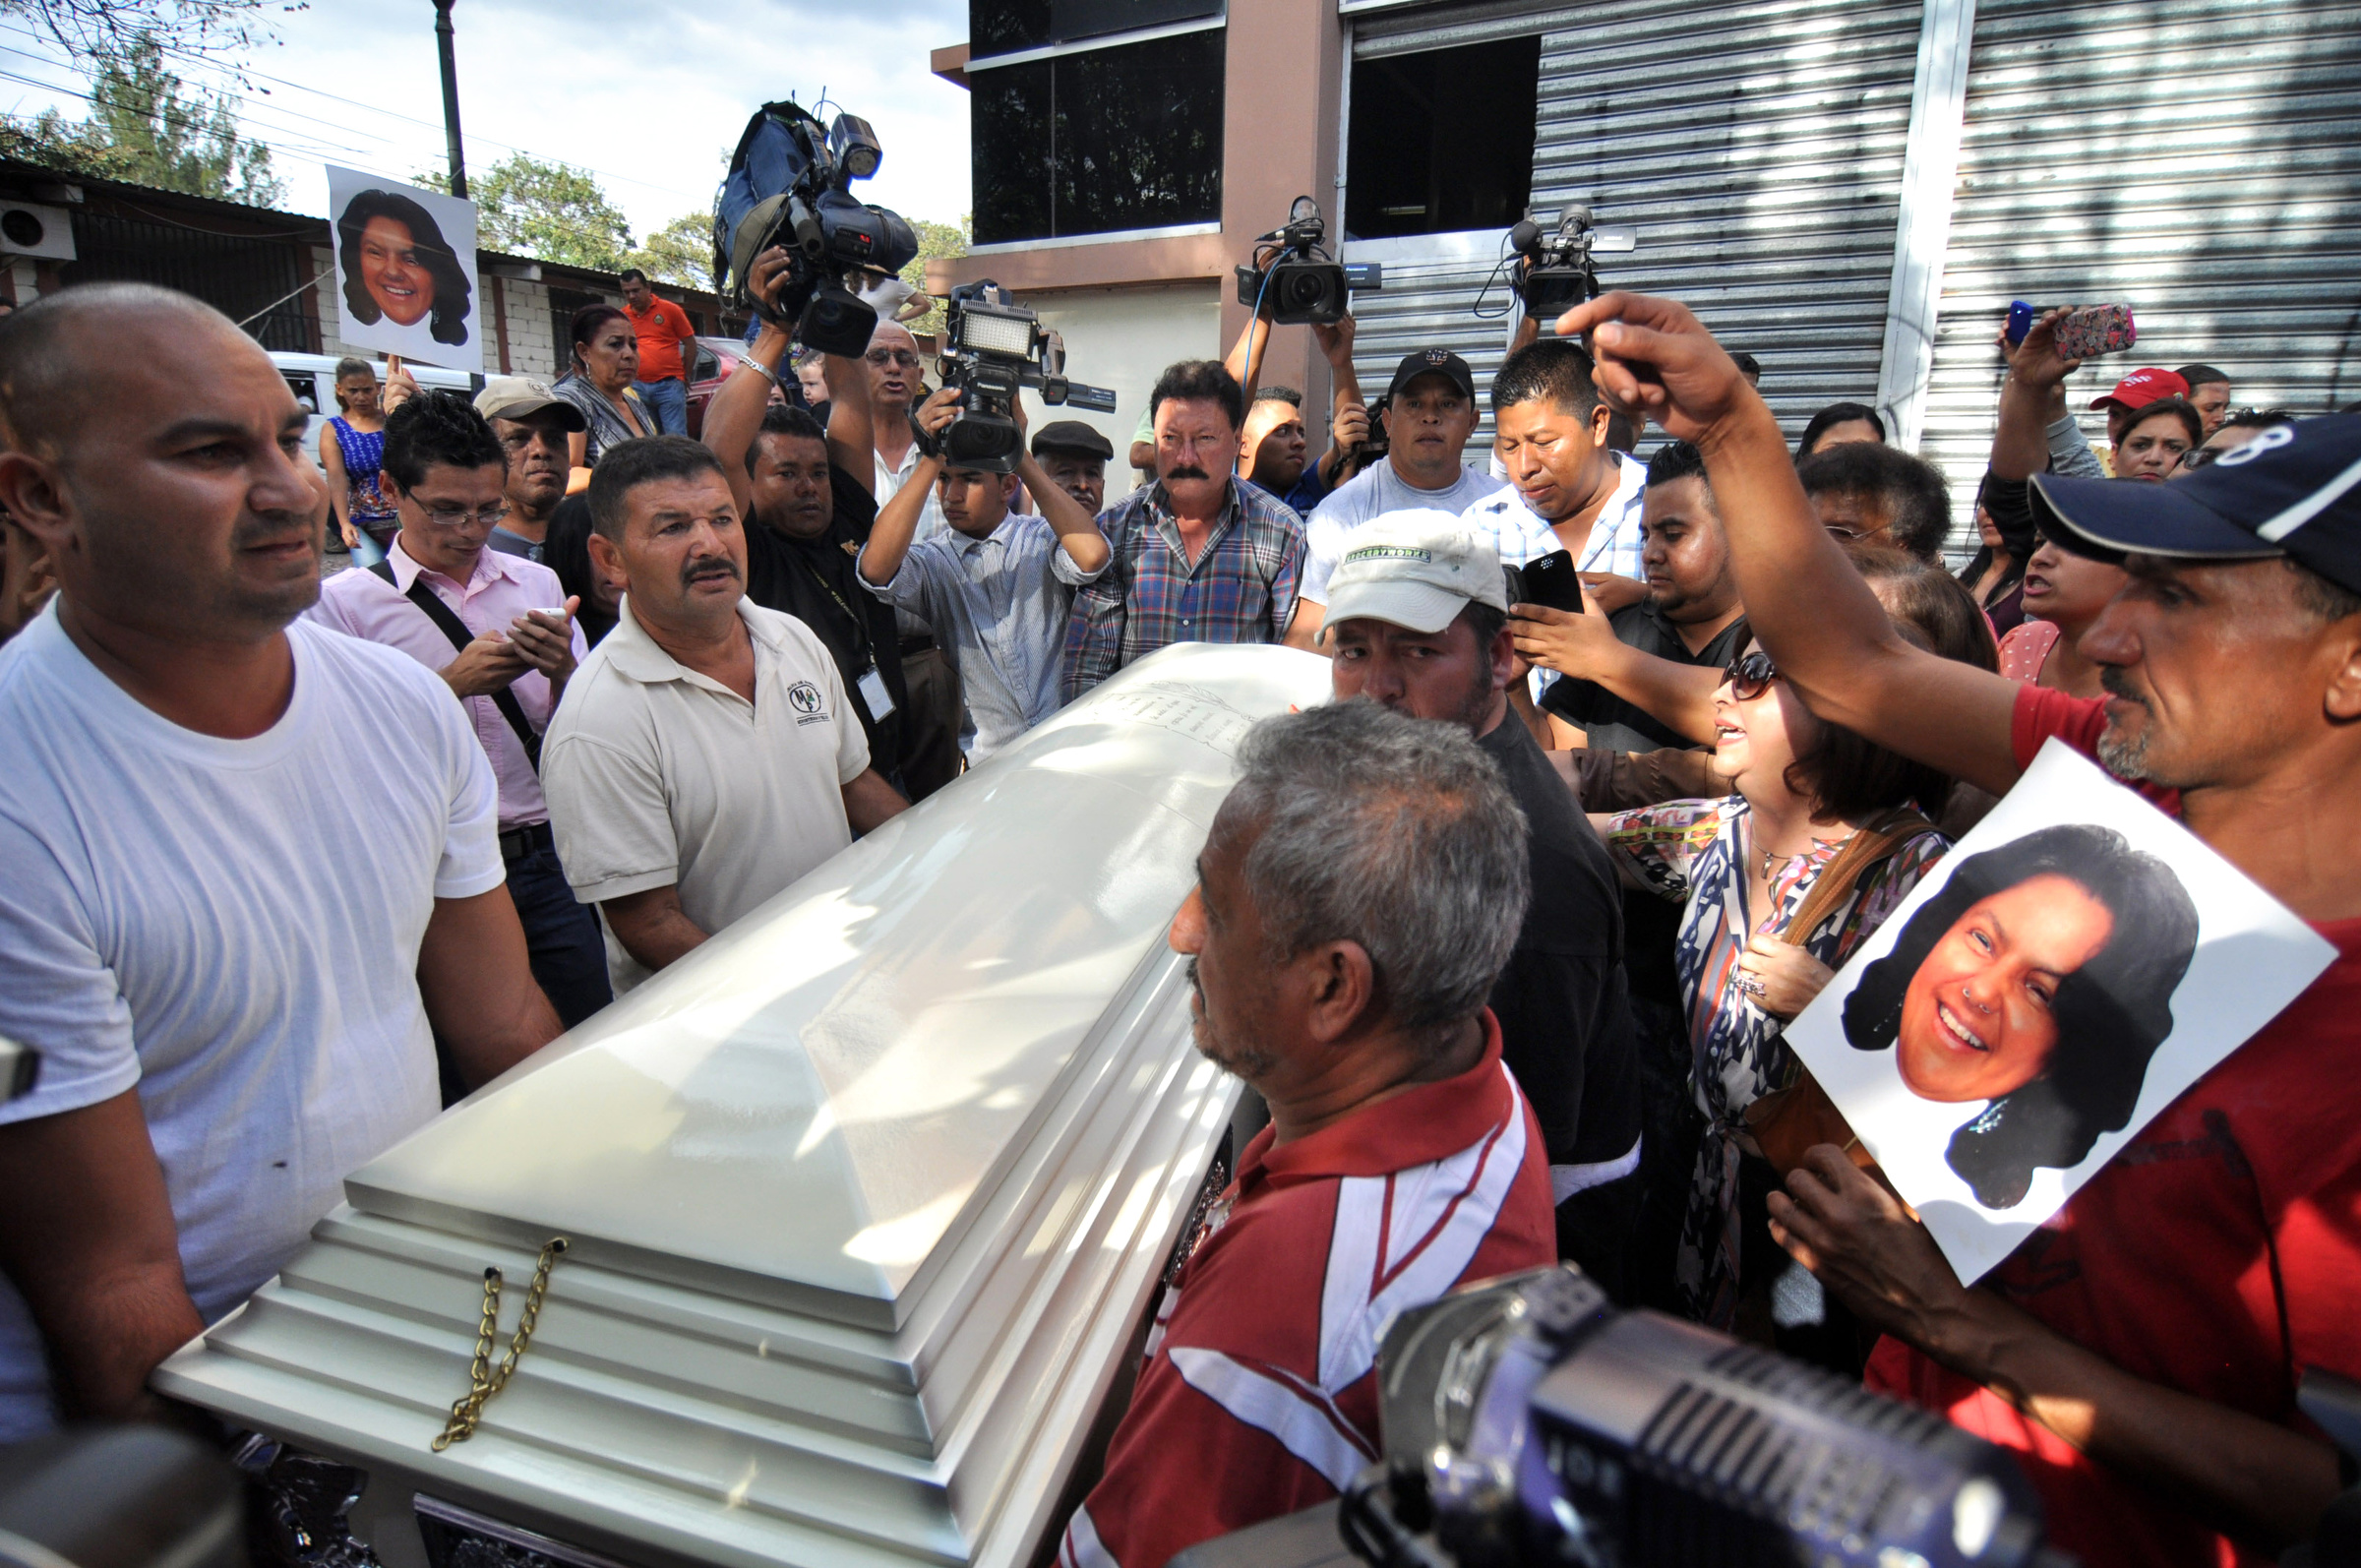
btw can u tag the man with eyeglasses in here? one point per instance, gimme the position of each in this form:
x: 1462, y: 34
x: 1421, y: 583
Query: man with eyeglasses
x: 931, y: 725
x: 498, y: 630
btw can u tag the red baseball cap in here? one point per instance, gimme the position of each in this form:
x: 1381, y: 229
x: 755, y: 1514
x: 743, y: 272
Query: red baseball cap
x: 2144, y: 387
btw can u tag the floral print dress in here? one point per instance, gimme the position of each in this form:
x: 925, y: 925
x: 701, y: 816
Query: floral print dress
x: 1697, y: 852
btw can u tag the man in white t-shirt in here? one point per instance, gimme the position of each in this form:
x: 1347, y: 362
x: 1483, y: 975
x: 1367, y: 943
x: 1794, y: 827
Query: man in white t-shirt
x: 702, y: 758
x: 1431, y: 412
x: 248, y: 860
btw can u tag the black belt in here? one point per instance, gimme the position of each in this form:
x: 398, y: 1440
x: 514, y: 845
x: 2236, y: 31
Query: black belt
x: 516, y: 843
x: 916, y: 642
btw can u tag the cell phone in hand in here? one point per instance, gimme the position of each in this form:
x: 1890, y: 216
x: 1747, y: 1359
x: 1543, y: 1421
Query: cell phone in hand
x: 2100, y: 329
x: 1551, y: 580
x: 2021, y: 321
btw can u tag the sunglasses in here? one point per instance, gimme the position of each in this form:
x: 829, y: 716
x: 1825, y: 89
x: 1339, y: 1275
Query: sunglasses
x: 1750, y: 675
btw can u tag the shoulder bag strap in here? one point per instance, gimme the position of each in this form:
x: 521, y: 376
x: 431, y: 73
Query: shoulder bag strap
x: 1870, y: 848
x: 451, y: 626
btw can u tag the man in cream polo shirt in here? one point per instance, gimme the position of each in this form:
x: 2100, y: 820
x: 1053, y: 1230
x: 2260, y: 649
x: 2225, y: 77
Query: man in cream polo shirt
x: 704, y: 757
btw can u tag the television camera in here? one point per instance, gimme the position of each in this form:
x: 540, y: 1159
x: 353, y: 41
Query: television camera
x: 1527, y: 1420
x: 1554, y: 271
x: 789, y: 184
x: 1293, y: 273
x: 993, y: 347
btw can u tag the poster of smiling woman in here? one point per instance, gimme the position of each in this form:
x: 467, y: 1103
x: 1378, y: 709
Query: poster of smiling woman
x: 2068, y: 970
x: 405, y: 270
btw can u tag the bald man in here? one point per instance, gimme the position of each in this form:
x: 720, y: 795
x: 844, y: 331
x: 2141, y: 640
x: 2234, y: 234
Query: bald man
x: 930, y: 739
x: 252, y: 864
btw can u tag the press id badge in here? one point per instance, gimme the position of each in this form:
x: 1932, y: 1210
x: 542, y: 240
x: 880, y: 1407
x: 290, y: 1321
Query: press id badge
x: 875, y: 697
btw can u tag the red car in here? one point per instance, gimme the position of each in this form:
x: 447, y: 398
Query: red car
x: 716, y: 359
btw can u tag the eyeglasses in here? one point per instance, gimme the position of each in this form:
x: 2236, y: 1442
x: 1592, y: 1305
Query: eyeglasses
x: 461, y: 517
x: 1750, y: 675
x: 894, y: 357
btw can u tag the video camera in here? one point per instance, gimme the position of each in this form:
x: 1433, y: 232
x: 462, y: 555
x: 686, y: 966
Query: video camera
x: 1527, y: 1420
x: 991, y: 347
x: 789, y: 184
x: 1556, y: 272
x: 1293, y: 270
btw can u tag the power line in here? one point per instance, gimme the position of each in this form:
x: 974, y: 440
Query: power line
x: 317, y: 155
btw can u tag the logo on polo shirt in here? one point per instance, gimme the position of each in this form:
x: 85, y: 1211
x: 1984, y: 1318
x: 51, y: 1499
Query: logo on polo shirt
x: 804, y: 697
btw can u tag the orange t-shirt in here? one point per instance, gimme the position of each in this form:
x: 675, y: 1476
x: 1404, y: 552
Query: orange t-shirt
x: 661, y: 331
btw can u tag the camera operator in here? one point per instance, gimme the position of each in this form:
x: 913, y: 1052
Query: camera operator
x: 1307, y: 485
x: 2139, y: 1352
x: 806, y: 497
x: 1359, y: 894
x: 1431, y: 412
x: 929, y: 757
x: 1198, y: 556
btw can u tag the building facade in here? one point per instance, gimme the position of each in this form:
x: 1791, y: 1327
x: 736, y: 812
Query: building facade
x: 1854, y: 193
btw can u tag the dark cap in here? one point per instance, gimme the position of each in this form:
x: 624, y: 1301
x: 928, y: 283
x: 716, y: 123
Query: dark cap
x: 1073, y: 435
x: 2294, y: 490
x: 1433, y: 362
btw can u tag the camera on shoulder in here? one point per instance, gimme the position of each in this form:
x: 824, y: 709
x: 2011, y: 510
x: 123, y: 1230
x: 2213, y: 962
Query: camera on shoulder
x: 790, y: 184
x: 993, y: 347
x: 1293, y: 280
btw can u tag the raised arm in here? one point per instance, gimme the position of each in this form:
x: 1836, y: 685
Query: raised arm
x: 1076, y: 530
x: 1245, y: 356
x: 852, y: 423
x: 2030, y: 397
x: 897, y: 520
x: 1807, y: 605
x: 735, y: 414
x: 1348, y: 410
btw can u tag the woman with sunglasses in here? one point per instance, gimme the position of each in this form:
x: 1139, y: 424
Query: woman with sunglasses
x: 1745, y: 868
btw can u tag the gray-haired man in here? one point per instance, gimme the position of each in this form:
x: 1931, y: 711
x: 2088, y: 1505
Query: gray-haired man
x: 1357, y: 895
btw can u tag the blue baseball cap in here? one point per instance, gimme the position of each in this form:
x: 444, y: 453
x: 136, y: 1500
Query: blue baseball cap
x: 2294, y: 491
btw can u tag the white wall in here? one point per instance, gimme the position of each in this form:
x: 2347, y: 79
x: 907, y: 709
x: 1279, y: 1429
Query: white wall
x: 1122, y: 338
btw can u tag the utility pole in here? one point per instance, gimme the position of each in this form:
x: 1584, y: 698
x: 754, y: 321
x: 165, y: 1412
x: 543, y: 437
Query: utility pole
x: 451, y: 97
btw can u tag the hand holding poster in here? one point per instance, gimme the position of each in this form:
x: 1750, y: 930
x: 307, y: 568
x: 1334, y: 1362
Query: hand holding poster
x: 2069, y: 969
x: 405, y: 270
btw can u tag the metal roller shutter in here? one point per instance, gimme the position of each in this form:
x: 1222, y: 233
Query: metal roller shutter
x: 1757, y: 148
x: 2200, y: 160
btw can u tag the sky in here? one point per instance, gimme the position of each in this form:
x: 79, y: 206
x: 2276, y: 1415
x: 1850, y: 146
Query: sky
x: 650, y: 97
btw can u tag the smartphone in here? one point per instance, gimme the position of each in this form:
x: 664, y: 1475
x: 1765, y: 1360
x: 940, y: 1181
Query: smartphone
x: 1551, y: 580
x: 2100, y: 329
x: 2021, y: 321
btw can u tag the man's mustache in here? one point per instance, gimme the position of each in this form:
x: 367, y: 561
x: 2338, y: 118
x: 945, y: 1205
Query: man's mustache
x: 1187, y: 472
x: 711, y: 569
x: 2117, y: 682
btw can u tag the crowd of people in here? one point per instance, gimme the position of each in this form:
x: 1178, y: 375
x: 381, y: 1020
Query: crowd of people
x: 1503, y: 942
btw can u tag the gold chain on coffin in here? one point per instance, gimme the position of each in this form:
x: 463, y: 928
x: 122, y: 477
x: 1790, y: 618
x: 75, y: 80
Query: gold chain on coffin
x: 482, y: 1379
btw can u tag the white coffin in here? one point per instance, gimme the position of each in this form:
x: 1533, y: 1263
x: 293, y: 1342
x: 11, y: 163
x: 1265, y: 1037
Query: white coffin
x: 864, y: 1198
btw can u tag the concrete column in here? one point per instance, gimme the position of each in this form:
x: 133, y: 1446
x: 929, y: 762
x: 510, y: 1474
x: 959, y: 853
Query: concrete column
x: 1283, y: 88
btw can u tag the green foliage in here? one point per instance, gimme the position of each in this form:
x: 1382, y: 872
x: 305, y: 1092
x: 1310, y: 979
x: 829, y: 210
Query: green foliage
x: 99, y: 29
x: 936, y: 242
x: 149, y: 127
x: 680, y: 253
x: 529, y: 207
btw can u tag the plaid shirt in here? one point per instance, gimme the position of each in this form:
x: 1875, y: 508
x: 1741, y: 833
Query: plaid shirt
x: 1241, y: 589
x: 1618, y: 537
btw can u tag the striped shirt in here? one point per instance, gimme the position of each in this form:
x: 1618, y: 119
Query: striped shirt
x: 1258, y: 1396
x: 1617, y: 536
x: 1240, y: 588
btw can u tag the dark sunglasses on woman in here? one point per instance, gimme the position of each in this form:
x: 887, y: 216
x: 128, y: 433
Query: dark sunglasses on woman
x: 1750, y: 675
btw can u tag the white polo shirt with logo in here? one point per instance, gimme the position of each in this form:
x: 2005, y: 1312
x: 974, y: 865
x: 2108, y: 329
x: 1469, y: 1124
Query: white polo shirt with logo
x: 657, y: 775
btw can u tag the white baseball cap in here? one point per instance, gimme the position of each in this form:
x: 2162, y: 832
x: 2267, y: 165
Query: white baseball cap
x: 1416, y: 569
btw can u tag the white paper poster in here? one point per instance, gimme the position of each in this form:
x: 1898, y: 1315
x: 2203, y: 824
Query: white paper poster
x: 405, y: 270
x: 2071, y: 967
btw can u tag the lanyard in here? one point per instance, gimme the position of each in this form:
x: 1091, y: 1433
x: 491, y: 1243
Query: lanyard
x: 861, y: 639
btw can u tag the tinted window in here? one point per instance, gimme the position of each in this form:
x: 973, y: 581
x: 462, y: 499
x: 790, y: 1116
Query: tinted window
x: 1100, y: 141
x: 1003, y: 27
x: 1442, y: 141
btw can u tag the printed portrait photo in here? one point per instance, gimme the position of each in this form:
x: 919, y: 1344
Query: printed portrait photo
x: 2064, y: 974
x: 405, y: 270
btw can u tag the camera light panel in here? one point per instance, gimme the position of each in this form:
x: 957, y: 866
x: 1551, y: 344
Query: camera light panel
x: 988, y: 331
